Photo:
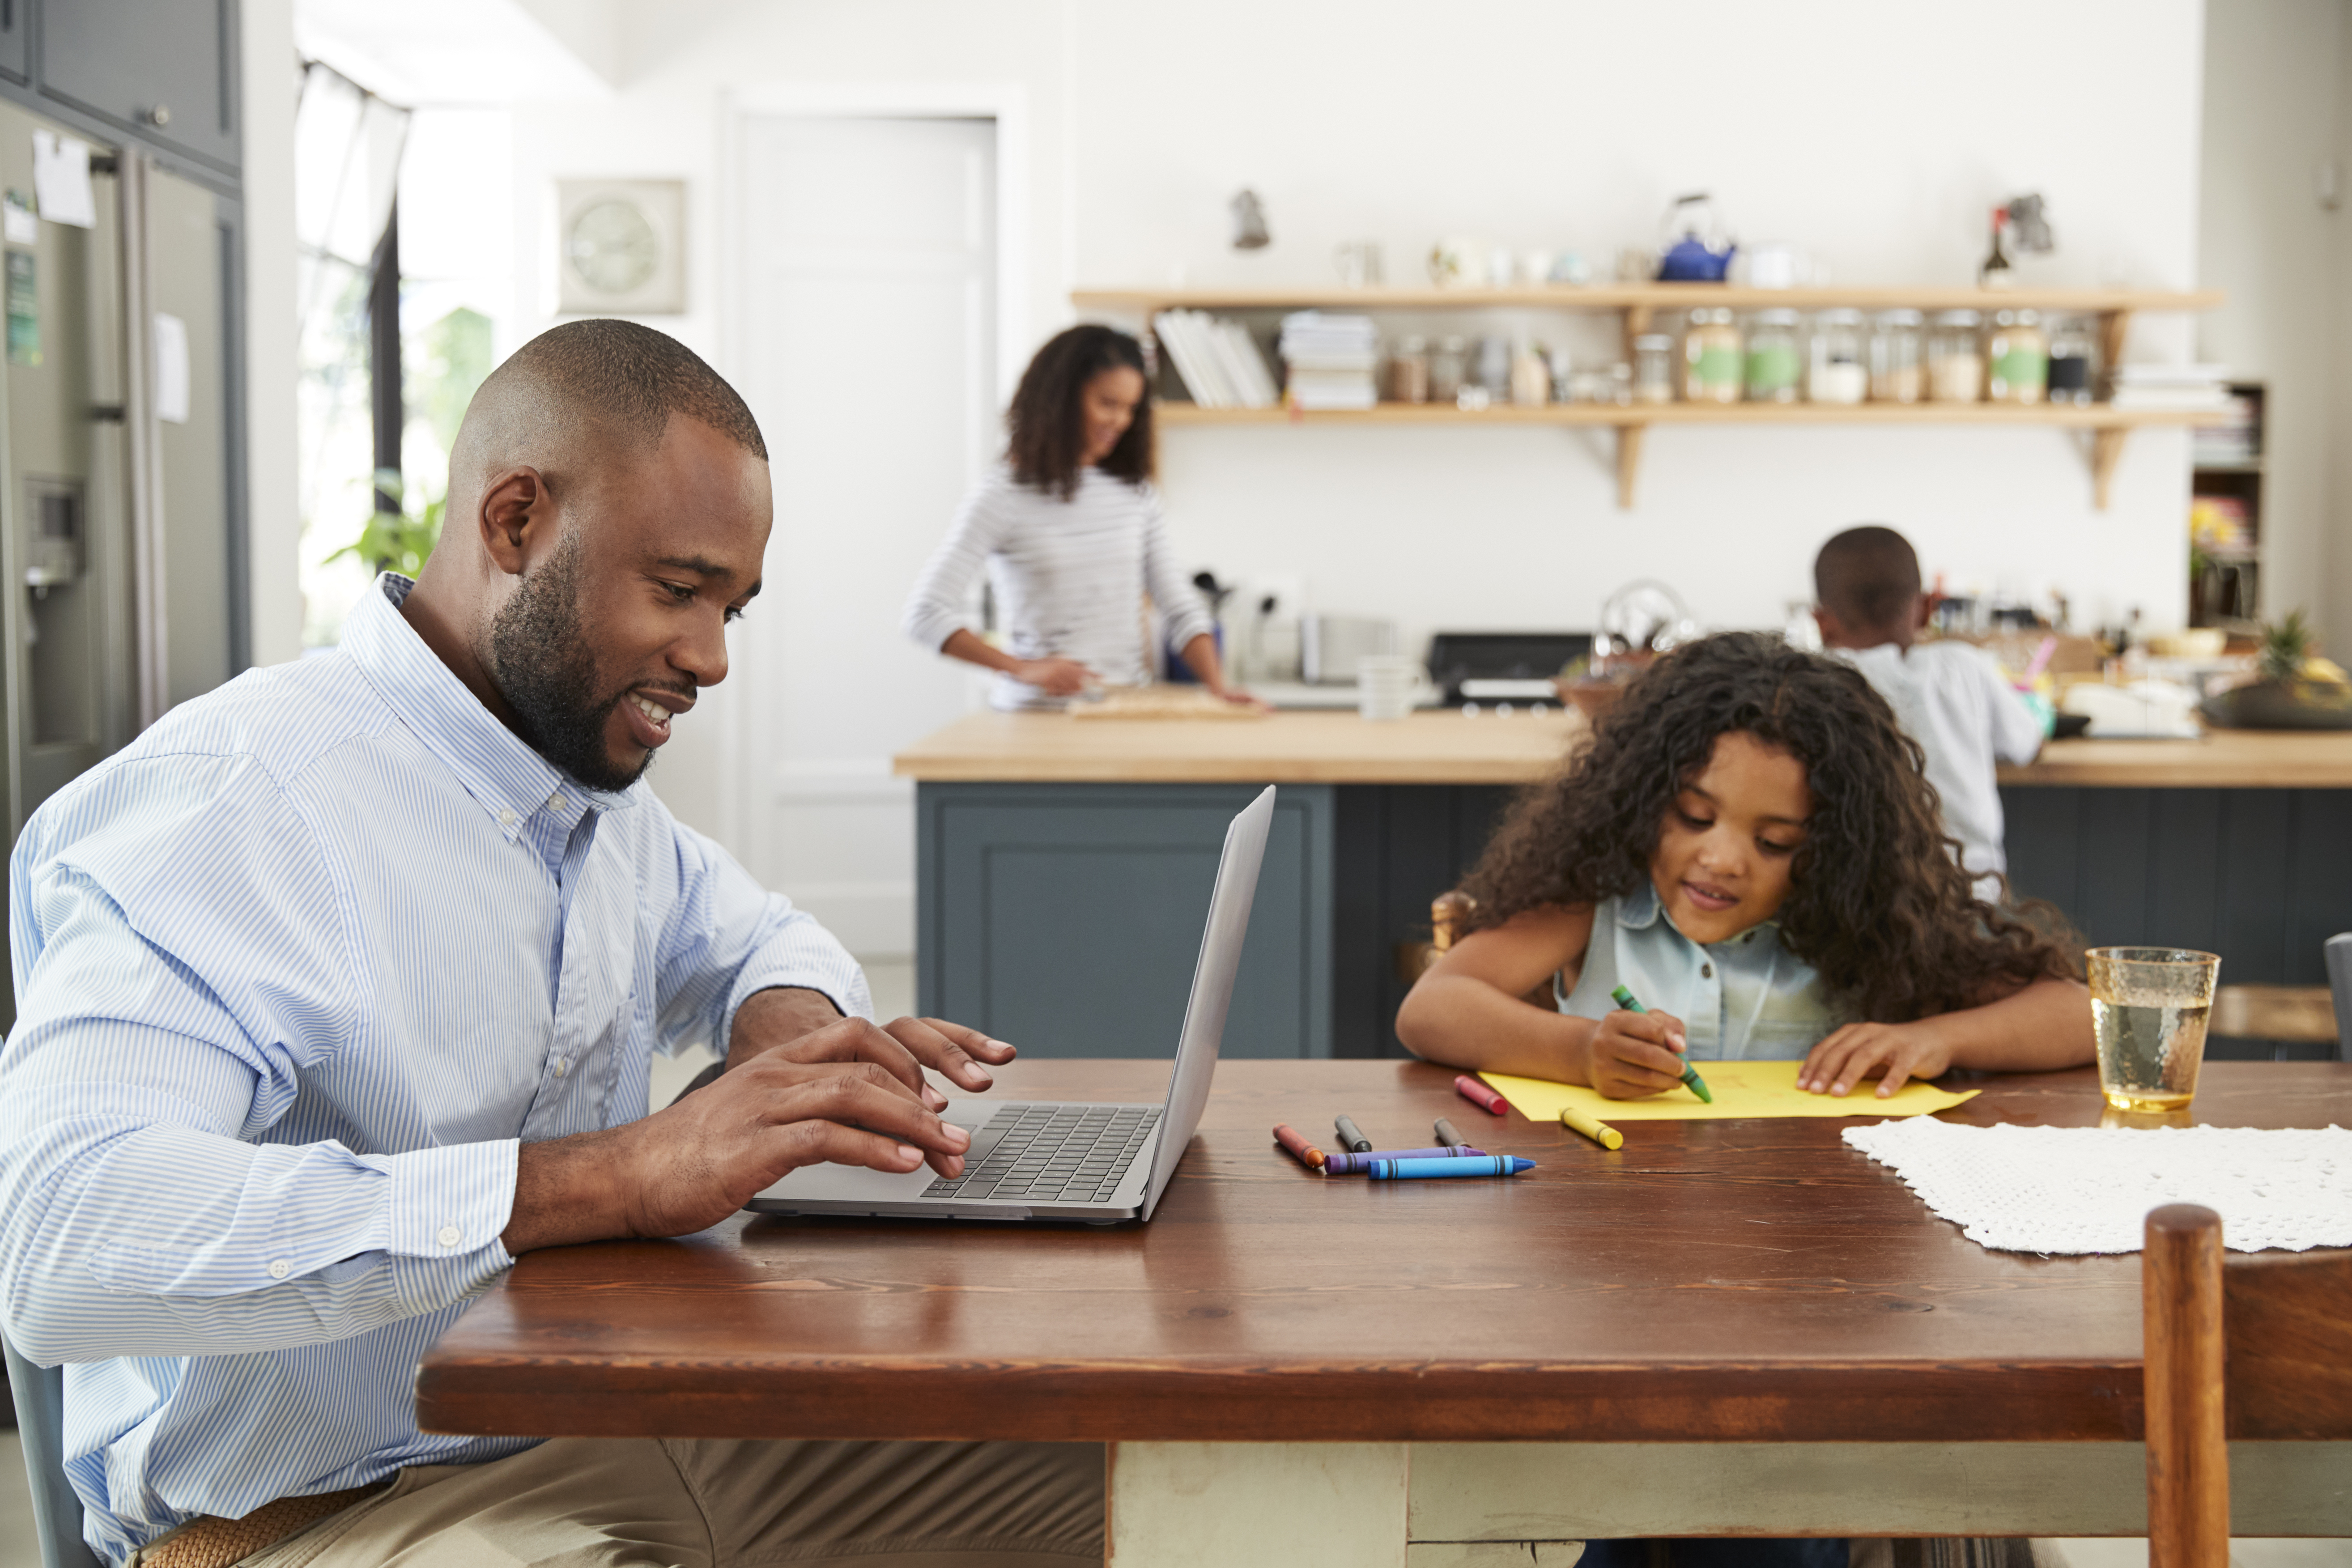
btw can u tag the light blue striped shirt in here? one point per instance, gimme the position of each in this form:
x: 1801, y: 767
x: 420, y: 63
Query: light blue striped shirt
x: 296, y: 972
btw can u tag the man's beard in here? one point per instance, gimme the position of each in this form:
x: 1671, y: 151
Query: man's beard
x: 547, y: 672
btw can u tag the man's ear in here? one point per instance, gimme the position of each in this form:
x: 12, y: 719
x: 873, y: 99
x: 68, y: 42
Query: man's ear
x: 1826, y: 621
x: 517, y: 517
x: 1919, y: 609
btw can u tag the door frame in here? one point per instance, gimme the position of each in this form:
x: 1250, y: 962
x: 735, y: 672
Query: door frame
x: 1004, y: 103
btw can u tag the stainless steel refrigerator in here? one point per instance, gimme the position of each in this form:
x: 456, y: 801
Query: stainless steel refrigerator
x: 115, y: 458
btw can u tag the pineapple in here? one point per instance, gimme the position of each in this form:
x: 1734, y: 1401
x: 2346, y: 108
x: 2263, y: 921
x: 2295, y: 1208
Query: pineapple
x: 2288, y: 656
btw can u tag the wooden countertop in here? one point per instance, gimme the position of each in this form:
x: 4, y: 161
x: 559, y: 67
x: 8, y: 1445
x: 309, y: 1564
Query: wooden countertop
x: 1445, y: 747
x: 1433, y: 747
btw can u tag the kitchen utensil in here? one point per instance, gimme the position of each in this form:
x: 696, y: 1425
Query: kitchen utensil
x: 1385, y: 683
x: 1692, y: 246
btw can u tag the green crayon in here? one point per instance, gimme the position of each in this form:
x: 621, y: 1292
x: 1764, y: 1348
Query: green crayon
x: 1627, y: 1000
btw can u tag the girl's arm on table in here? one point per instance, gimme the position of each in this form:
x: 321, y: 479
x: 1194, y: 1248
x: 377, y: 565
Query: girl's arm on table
x: 1465, y: 1010
x: 2040, y: 1027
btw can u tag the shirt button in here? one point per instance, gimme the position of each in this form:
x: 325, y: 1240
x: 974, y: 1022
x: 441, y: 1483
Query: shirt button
x: 447, y: 1236
x: 1707, y: 972
x: 562, y: 1066
x: 556, y: 803
x: 279, y: 1268
x: 506, y: 817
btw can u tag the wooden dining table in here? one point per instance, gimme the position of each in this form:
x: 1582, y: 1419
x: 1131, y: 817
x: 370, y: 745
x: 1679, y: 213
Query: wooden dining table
x: 1732, y: 1327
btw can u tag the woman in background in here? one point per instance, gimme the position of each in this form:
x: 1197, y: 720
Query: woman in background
x: 1070, y: 532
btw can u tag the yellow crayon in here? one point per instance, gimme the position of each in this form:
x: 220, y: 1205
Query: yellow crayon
x: 1592, y: 1127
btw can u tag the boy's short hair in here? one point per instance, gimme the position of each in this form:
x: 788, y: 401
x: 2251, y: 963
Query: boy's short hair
x: 1868, y: 577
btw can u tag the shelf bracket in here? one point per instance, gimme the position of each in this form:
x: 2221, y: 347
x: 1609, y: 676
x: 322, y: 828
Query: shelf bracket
x: 2106, y: 449
x: 1637, y: 321
x: 1629, y: 462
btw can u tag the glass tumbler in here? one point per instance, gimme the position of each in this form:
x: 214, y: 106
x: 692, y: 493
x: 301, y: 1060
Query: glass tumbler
x: 2149, y: 1006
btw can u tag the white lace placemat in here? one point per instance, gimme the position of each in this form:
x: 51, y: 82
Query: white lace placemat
x: 2088, y: 1189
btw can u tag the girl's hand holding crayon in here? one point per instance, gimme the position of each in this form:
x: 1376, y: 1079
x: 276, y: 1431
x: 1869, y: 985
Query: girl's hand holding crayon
x: 1896, y: 1053
x: 1632, y: 1055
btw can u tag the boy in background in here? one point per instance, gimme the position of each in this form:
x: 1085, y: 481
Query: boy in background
x: 1948, y: 696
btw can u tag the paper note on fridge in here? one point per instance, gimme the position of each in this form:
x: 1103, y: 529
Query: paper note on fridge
x: 61, y: 180
x: 171, y: 369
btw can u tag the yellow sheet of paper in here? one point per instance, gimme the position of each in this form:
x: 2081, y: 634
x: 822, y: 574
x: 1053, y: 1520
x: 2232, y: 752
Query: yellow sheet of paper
x: 1741, y: 1089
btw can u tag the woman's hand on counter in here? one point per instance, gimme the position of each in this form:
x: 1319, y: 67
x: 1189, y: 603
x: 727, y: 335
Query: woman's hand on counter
x: 1240, y: 699
x: 1054, y: 676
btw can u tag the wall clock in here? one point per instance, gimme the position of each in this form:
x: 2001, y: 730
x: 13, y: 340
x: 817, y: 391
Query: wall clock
x: 620, y: 246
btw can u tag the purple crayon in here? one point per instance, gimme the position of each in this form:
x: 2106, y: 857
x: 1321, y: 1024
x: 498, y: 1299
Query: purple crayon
x: 1360, y: 1164
x: 1428, y: 1170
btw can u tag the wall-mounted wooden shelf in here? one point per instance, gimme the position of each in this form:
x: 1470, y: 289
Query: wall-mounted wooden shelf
x: 2107, y: 426
x: 1641, y: 304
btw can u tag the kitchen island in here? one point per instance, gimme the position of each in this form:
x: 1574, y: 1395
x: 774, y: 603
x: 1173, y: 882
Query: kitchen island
x: 1064, y: 865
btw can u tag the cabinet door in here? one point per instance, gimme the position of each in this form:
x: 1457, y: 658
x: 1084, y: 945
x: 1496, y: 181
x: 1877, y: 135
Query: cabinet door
x: 1067, y: 918
x: 13, y: 33
x: 164, y: 69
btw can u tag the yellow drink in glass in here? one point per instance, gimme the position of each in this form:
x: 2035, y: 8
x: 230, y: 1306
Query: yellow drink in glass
x: 2150, y: 1007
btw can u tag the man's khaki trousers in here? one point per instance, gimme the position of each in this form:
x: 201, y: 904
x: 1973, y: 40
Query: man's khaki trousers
x: 582, y: 1503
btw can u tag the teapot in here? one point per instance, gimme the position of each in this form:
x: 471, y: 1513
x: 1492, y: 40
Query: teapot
x: 1692, y: 247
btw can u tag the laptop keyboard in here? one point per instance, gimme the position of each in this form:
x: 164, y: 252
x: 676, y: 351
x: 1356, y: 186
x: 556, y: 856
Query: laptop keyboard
x: 1053, y: 1153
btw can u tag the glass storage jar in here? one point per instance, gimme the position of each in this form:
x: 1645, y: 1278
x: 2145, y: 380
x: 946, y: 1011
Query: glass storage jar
x: 2072, y: 346
x: 1446, y: 367
x: 1711, y: 357
x: 2017, y: 358
x: 1837, y: 374
x: 1774, y: 365
x: 1954, y: 359
x: 1654, y: 368
x: 1409, y: 371
x: 1895, y: 373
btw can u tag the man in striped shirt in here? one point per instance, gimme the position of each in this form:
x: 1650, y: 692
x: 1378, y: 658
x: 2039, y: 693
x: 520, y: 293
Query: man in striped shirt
x: 336, y: 990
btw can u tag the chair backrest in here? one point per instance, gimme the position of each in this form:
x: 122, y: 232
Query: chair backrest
x: 2281, y: 1325
x: 40, y: 1397
x: 2305, y: 1014
x: 2340, y: 980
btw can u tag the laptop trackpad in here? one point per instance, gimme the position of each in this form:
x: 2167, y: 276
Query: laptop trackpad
x: 856, y: 1183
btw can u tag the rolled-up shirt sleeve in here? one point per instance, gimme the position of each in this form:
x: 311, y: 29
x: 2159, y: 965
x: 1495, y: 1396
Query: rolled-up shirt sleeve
x: 1187, y: 612
x: 168, y: 998
x: 727, y: 937
x: 935, y: 610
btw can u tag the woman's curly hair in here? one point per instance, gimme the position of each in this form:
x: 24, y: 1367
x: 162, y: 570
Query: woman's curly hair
x: 1047, y: 421
x: 1877, y: 902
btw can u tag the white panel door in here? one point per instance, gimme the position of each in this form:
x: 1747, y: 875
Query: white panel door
x: 867, y: 349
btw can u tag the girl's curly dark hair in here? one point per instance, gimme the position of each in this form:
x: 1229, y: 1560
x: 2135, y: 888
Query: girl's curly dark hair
x: 1047, y: 419
x: 1877, y: 902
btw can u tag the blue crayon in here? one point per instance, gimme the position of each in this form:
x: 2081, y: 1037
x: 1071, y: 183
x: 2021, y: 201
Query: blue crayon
x: 1357, y: 1164
x: 1426, y: 1170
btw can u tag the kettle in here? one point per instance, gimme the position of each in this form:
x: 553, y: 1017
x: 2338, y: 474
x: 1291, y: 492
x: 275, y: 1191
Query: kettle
x: 1692, y: 247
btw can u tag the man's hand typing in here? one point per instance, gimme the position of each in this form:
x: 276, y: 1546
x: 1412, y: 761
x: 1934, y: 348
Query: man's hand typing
x: 693, y: 1164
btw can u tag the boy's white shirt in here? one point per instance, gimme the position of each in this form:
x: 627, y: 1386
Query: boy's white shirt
x: 1951, y: 699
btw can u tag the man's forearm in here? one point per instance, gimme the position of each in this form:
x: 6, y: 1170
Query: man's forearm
x: 769, y: 1018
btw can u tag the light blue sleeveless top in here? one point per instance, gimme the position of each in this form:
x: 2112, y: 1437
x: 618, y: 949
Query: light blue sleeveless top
x: 1749, y: 998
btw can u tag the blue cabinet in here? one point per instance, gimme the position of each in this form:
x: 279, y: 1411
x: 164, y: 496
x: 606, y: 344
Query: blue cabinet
x: 1066, y: 918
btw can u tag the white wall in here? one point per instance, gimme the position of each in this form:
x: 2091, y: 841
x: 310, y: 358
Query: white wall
x: 2275, y: 82
x: 1877, y: 136
x: 273, y: 517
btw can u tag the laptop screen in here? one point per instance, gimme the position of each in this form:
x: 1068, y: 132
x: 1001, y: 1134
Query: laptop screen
x: 1212, y: 989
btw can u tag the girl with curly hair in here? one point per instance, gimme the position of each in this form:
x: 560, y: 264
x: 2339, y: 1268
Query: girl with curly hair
x: 1750, y: 845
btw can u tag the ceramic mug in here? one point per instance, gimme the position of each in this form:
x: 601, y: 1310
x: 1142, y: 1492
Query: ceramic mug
x: 1457, y: 263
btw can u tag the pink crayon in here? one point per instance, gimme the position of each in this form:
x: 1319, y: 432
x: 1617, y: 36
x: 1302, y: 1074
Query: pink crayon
x: 1479, y: 1094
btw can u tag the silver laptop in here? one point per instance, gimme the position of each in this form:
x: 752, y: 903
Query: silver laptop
x: 1101, y: 1163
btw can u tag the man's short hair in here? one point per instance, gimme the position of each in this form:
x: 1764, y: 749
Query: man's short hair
x: 627, y: 378
x: 1868, y: 577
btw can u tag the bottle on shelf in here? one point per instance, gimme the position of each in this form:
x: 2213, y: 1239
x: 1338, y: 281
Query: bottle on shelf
x: 1773, y: 363
x: 2017, y: 358
x: 1895, y: 375
x: 1956, y: 358
x: 1711, y: 360
x: 1654, y: 368
x: 1409, y: 371
x: 1837, y: 374
x: 2071, y: 372
x: 1446, y: 367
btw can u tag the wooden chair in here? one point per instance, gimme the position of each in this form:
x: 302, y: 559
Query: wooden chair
x: 1446, y: 913
x: 2278, y: 1324
x: 2304, y: 1014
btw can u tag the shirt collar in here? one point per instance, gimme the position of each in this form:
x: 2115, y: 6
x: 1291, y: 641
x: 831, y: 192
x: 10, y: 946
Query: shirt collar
x: 508, y: 779
x: 1640, y: 909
